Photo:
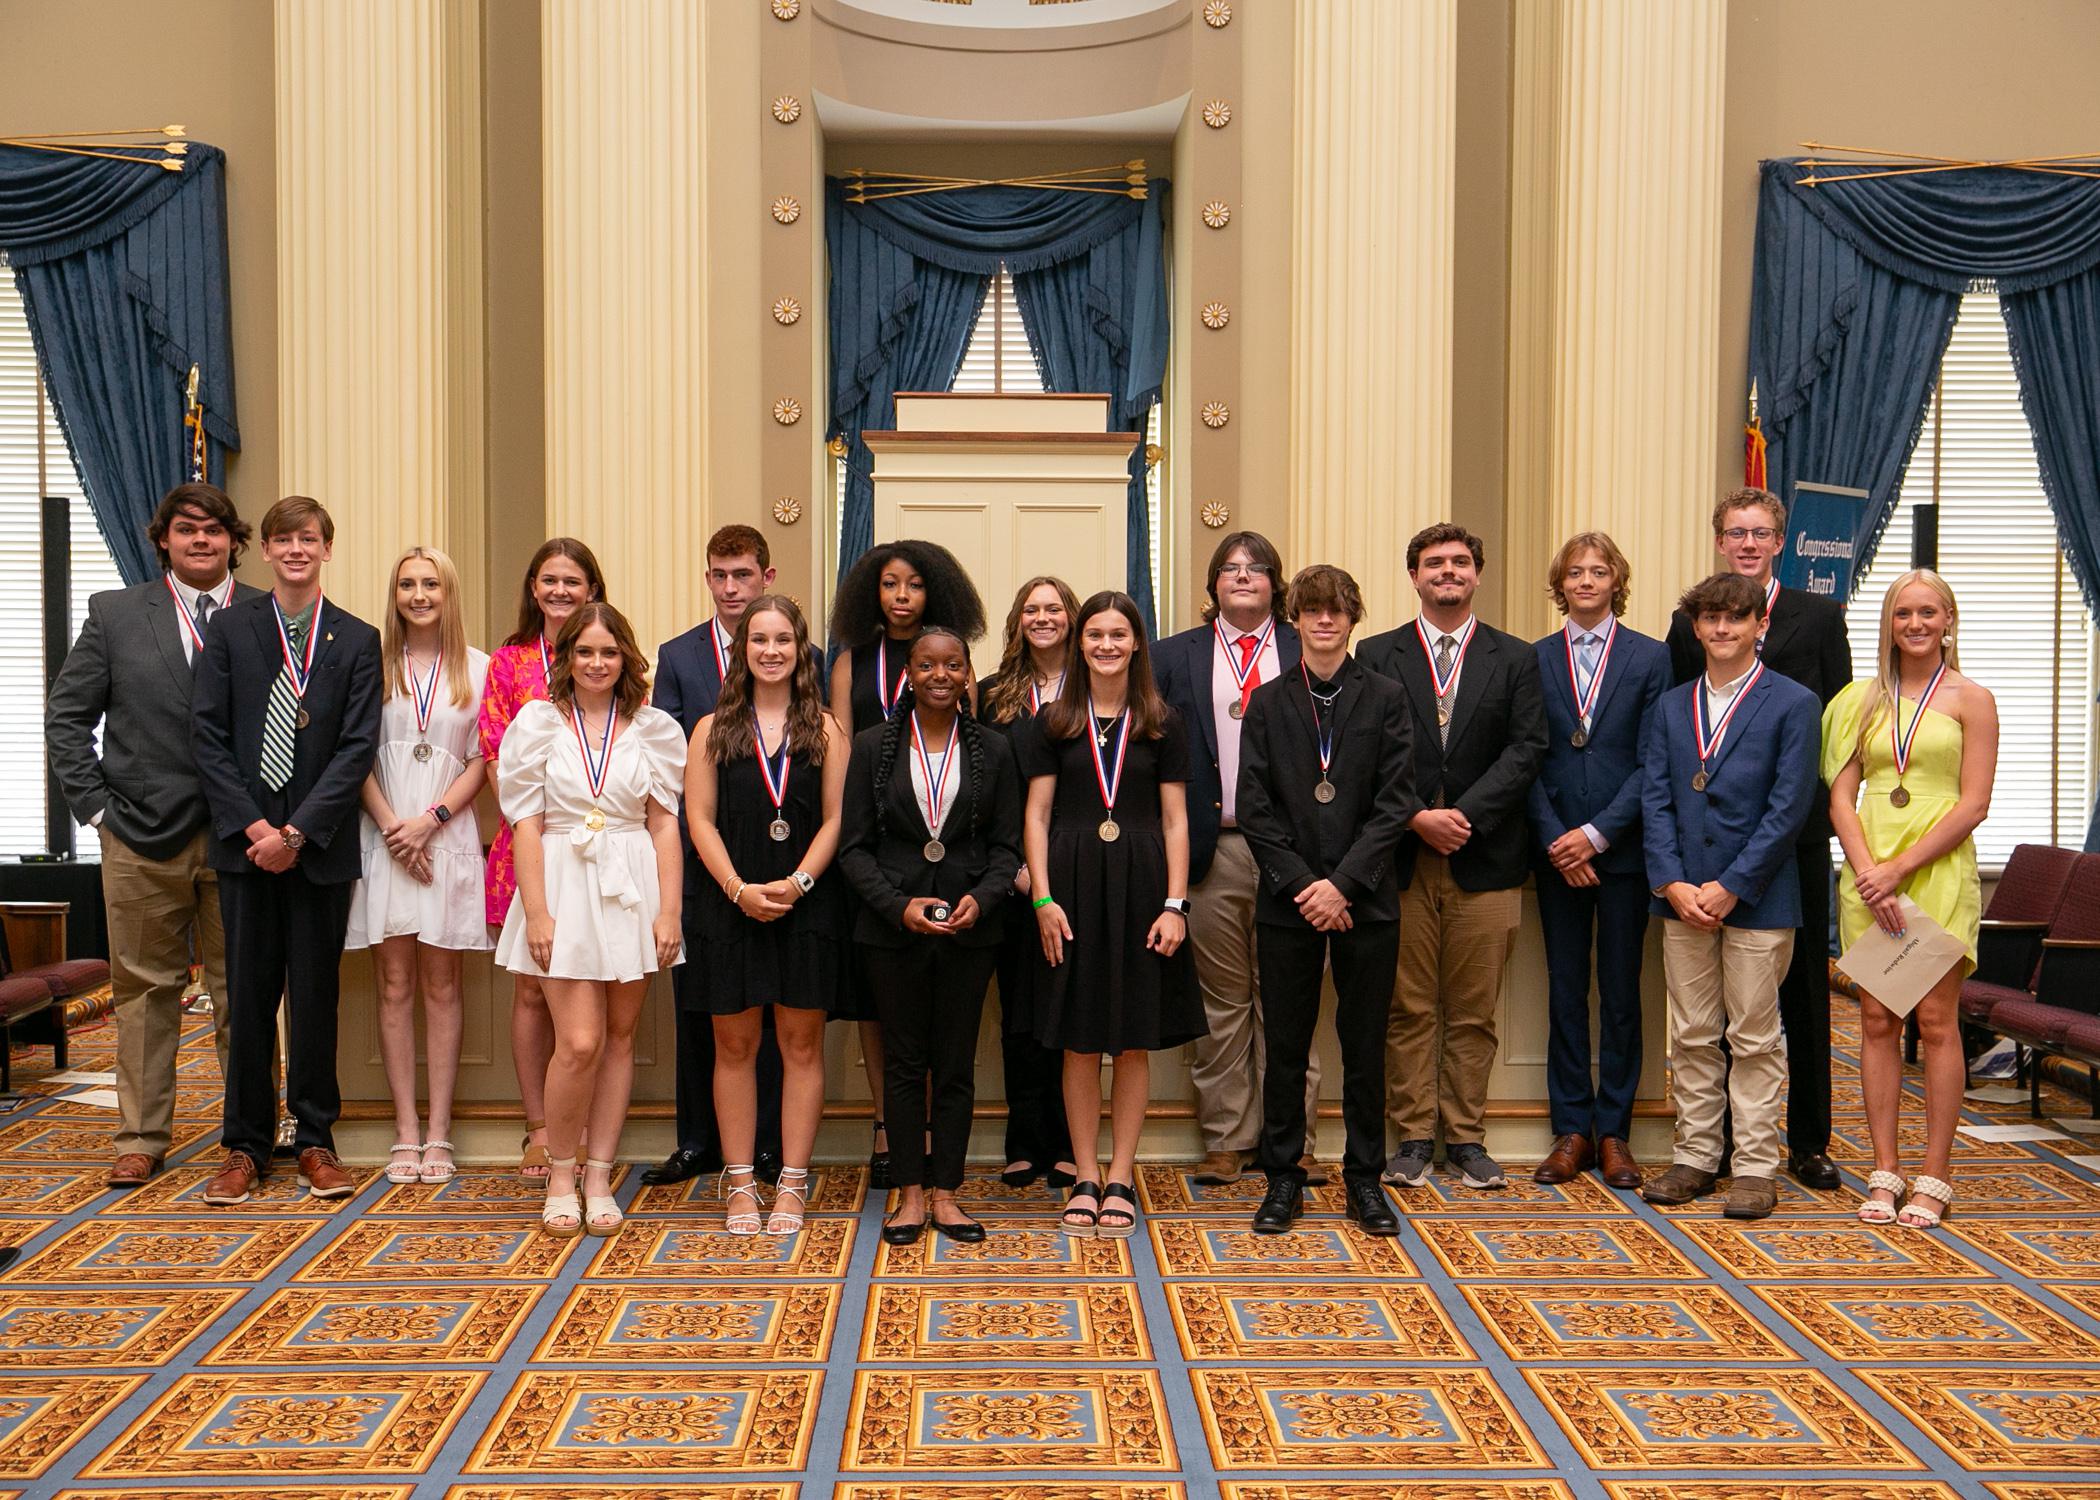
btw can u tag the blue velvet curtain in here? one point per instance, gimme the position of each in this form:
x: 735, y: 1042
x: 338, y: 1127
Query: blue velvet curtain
x: 123, y: 273
x: 908, y: 278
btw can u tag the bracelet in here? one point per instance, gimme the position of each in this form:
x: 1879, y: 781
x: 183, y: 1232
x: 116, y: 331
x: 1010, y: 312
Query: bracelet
x: 1039, y: 903
x: 733, y: 895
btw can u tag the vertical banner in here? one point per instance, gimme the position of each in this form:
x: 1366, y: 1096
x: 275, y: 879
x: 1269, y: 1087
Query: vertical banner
x: 1822, y: 540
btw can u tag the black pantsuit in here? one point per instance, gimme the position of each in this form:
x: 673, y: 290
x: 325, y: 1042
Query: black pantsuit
x: 1616, y: 910
x: 929, y: 997
x: 1364, y: 959
x: 1036, y: 1131
x: 284, y: 936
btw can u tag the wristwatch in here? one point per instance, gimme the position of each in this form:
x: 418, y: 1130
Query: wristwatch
x: 804, y: 881
x: 442, y: 813
x: 293, y: 838
x: 1178, y: 905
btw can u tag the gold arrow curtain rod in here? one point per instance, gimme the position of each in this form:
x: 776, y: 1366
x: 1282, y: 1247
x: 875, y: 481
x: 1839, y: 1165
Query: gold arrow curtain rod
x: 1860, y: 163
x: 1123, y: 179
x: 102, y: 144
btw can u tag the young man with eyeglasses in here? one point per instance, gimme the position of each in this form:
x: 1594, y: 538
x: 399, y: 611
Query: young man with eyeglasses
x: 1805, y: 640
x: 1209, y: 674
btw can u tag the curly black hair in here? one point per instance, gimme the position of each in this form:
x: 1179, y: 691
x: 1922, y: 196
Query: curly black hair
x: 856, y: 609
x: 897, y: 726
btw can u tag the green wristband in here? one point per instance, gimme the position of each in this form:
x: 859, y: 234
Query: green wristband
x: 1041, y: 902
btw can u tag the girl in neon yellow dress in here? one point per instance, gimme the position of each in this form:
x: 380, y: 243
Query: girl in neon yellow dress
x: 1910, y: 755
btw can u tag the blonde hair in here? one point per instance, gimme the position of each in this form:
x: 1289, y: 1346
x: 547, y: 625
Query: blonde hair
x: 1885, y: 686
x: 1604, y: 547
x: 452, y: 629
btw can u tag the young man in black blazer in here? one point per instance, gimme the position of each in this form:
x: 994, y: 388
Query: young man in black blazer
x: 1805, y: 639
x: 285, y: 723
x: 1479, y: 735
x: 1326, y: 789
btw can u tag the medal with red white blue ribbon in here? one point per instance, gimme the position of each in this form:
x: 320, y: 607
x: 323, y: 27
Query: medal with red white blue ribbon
x: 1445, y: 682
x: 424, y: 695
x: 1242, y: 671
x: 936, y: 778
x: 886, y: 692
x: 298, y: 666
x: 595, y: 768
x: 715, y: 639
x: 1110, y: 782
x: 1323, y: 734
x: 776, y: 786
x: 1585, y: 701
x: 1035, y: 691
x: 1706, y: 744
x: 189, y: 626
x: 1900, y: 740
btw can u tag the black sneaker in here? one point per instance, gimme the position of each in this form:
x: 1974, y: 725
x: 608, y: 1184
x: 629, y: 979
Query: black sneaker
x: 1409, y: 1166
x: 1475, y: 1168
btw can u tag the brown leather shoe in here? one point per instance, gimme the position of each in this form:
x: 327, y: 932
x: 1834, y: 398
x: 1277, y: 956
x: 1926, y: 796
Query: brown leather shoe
x: 1219, y: 1169
x: 323, y: 1176
x: 1679, y: 1184
x: 1616, y: 1160
x: 1570, y: 1158
x: 238, y: 1174
x: 1750, y: 1198
x: 132, y: 1169
x: 1315, y: 1174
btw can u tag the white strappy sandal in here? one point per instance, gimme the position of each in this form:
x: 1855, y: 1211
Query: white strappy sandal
x: 783, y: 1220
x: 399, y: 1171
x: 741, y: 1222
x: 1874, y: 1211
x: 601, y: 1211
x: 1915, y: 1215
x: 562, y: 1206
x: 437, y: 1171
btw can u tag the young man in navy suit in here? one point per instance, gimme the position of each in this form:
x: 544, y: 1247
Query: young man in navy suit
x: 689, y: 671
x: 284, y: 726
x: 1601, y: 679
x: 1804, y: 639
x: 1728, y: 773
x: 1209, y: 674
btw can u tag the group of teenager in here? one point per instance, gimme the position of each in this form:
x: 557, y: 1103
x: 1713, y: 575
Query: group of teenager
x: 1148, y: 844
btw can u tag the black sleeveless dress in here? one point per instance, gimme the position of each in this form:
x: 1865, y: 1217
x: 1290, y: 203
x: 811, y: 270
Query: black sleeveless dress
x: 1111, y: 993
x: 866, y: 699
x: 800, y: 960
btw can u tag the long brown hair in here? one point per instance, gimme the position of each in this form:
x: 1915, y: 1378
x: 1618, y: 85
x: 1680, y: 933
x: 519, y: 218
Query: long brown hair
x: 735, y: 730
x: 1007, y: 697
x: 632, y: 690
x: 532, y: 621
x: 1067, y: 717
x: 452, y: 630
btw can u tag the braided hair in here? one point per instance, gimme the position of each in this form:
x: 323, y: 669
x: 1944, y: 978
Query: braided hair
x: 894, y: 730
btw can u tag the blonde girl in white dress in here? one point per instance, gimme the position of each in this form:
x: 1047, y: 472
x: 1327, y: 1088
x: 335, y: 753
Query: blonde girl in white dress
x: 420, y: 903
x: 591, y: 782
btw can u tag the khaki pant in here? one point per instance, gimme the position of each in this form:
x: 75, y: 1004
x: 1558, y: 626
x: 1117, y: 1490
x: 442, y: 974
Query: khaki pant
x: 1440, y: 1038
x: 1227, y: 1065
x: 1727, y: 980
x: 154, y: 905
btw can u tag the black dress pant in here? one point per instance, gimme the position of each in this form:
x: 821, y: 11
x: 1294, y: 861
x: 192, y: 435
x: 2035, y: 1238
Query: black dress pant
x: 1364, y: 959
x: 1615, y: 911
x: 695, y: 1071
x: 1036, y: 1129
x: 1804, y: 1008
x: 284, y: 937
x: 929, y: 997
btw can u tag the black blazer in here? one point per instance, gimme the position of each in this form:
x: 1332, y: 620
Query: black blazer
x: 235, y: 670
x: 887, y: 869
x: 1498, y: 740
x: 1298, y: 839
x: 1806, y: 640
x: 1182, y: 666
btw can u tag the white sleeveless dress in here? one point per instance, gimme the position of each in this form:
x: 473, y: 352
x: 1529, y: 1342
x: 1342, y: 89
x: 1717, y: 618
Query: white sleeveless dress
x: 389, y: 902
x: 601, y: 884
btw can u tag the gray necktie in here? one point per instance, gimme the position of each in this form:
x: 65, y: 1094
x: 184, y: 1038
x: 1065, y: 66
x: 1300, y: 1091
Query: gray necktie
x: 1586, y: 653
x: 1444, y: 648
x: 204, y: 607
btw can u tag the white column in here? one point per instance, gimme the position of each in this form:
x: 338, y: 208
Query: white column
x: 1371, y: 294
x: 379, y: 296
x: 625, y: 313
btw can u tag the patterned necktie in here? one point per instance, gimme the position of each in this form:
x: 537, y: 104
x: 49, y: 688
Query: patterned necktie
x: 1586, y: 653
x: 281, y: 720
x: 1250, y: 669
x: 1444, y: 649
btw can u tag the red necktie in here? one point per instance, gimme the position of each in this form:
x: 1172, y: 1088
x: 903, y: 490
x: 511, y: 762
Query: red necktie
x: 1250, y: 669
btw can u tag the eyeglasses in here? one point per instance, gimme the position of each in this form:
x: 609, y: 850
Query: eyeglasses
x: 1741, y: 533
x: 1244, y: 570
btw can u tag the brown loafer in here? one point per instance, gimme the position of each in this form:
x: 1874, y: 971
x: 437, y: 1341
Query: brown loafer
x: 1750, y: 1198
x: 238, y: 1175
x: 1219, y: 1169
x: 323, y: 1176
x: 132, y: 1169
x: 1616, y: 1160
x: 1679, y: 1184
x: 1570, y: 1158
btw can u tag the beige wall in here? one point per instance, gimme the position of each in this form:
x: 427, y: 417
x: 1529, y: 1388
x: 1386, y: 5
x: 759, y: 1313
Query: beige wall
x: 515, y: 387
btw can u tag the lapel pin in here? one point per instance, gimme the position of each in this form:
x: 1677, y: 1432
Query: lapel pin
x: 329, y: 636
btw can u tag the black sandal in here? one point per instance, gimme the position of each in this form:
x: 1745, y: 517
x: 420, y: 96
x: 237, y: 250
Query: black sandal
x: 1079, y: 1222
x: 1125, y: 1222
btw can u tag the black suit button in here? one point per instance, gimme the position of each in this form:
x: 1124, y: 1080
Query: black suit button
x: 1709, y: 843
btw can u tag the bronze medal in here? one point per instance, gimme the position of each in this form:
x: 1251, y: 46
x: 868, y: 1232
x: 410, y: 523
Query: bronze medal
x: 302, y: 721
x: 777, y: 830
x: 935, y: 851
x: 1109, y: 831
x: 1235, y: 709
x: 1699, y: 780
x: 1443, y: 714
x: 423, y: 750
x: 594, y: 820
x: 1579, y: 738
x: 1900, y: 796
x: 1324, y: 791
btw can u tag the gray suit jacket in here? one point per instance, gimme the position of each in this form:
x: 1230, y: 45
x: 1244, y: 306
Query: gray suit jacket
x: 126, y: 672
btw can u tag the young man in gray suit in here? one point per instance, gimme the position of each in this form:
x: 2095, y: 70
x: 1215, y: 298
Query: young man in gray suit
x: 131, y: 672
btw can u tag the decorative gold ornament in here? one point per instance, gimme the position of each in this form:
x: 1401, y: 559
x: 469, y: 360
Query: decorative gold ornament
x: 787, y: 510
x: 837, y: 446
x: 1217, y: 114
x: 1217, y: 213
x: 1216, y: 414
x: 786, y: 210
x: 1217, y: 14
x: 1215, y: 514
x: 787, y: 411
x: 1216, y: 315
x: 787, y: 109
x: 1153, y: 454
x: 787, y: 10
x: 787, y: 310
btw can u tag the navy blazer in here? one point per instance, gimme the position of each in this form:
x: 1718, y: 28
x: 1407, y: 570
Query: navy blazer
x: 1600, y: 783
x: 687, y: 680
x: 235, y: 671
x: 1182, y: 666
x: 1742, y: 829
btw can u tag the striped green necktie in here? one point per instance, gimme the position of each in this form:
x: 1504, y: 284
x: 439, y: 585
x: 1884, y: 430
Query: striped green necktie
x: 281, y: 718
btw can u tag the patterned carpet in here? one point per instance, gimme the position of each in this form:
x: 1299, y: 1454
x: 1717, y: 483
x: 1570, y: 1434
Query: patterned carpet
x: 418, y: 1342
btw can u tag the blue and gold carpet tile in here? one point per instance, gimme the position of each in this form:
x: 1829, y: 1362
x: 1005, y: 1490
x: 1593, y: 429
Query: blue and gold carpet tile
x: 1570, y: 1343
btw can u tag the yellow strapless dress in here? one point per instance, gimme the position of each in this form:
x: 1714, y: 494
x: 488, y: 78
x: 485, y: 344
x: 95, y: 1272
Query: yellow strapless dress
x: 1947, y: 890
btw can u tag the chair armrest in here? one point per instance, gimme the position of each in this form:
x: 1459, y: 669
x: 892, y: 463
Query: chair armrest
x: 2000, y: 924
x: 2071, y: 943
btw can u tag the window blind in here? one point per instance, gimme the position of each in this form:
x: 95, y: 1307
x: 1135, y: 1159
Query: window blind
x: 998, y: 360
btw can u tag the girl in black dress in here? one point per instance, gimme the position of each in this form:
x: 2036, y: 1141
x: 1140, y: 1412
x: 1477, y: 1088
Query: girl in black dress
x: 763, y: 786
x: 874, y: 618
x: 1108, y: 856
x: 931, y: 841
x: 1031, y: 673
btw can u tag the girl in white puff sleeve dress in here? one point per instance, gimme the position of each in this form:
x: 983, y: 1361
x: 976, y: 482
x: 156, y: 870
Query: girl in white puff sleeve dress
x: 591, y: 784
x: 417, y: 905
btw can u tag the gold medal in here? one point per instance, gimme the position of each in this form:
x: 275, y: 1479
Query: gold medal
x: 935, y: 851
x: 1699, y: 781
x: 1900, y: 796
x: 423, y: 751
x: 594, y: 820
x: 1109, y: 831
x: 1324, y: 792
x: 777, y: 830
